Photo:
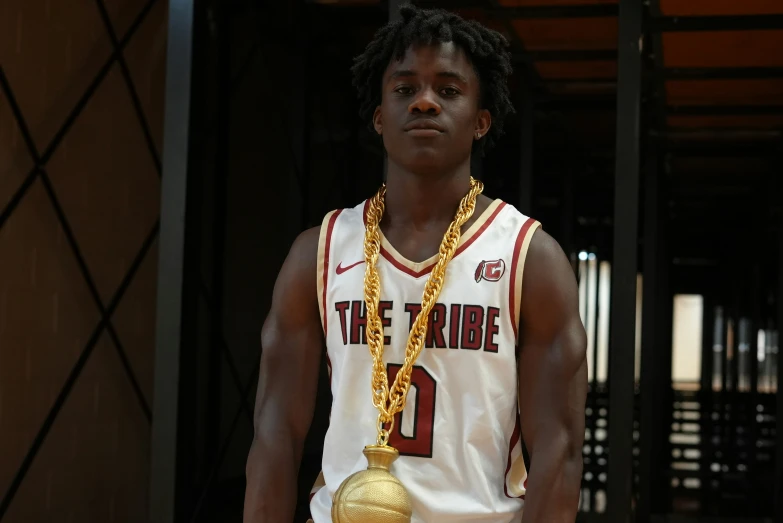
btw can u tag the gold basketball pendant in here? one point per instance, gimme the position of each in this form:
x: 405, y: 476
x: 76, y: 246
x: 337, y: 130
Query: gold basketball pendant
x: 373, y: 495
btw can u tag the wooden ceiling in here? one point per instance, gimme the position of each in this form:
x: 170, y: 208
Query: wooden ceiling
x: 725, y: 54
x: 712, y: 87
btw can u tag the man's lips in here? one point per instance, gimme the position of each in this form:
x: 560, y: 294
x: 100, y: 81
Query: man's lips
x: 424, y: 127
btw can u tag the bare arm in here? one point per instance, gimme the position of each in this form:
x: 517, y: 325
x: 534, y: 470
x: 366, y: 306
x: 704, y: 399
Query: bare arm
x: 552, y: 383
x: 292, y: 341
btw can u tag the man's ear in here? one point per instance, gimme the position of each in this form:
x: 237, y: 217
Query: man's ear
x: 483, y: 123
x: 377, y: 120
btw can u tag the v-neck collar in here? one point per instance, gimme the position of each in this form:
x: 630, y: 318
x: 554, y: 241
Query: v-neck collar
x: 419, y: 269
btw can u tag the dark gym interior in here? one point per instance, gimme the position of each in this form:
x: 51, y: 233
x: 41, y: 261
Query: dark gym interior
x: 158, y: 158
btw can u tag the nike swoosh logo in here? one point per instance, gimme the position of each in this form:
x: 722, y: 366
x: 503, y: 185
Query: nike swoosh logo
x: 340, y: 269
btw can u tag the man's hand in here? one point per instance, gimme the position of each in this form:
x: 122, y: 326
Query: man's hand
x: 292, y: 341
x: 552, y: 383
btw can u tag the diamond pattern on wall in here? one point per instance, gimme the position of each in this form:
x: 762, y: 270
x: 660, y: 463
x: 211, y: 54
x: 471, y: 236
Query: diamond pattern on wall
x: 107, y: 184
x: 15, y: 160
x: 94, y: 465
x: 123, y: 12
x: 134, y: 321
x: 146, y: 59
x: 46, y: 316
x: 57, y: 50
x: 68, y: 388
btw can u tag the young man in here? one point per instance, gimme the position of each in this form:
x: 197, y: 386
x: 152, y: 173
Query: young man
x: 493, y: 365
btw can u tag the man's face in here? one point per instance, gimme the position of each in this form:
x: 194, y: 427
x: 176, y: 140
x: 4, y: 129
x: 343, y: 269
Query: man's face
x: 429, y: 115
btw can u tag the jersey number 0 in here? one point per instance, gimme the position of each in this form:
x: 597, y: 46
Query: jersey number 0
x: 418, y: 444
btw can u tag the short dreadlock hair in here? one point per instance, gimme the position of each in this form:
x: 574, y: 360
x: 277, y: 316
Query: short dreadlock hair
x: 486, y: 50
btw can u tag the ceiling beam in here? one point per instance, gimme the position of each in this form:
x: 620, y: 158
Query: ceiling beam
x: 724, y: 110
x: 592, y: 81
x: 601, y: 102
x: 451, y: 4
x: 694, y: 149
x: 557, y: 11
x: 711, y: 133
x: 715, y: 23
x: 722, y: 73
x: 573, y: 55
x: 518, y: 51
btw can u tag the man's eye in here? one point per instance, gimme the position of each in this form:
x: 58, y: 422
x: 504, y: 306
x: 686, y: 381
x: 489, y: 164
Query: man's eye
x: 450, y: 91
x: 404, y: 89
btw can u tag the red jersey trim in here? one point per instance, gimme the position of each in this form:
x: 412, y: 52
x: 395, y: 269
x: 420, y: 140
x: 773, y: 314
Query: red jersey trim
x: 523, y: 231
x: 403, y: 267
x: 513, y: 443
x: 326, y: 254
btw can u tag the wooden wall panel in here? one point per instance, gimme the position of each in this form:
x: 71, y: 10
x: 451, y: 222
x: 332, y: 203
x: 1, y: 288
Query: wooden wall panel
x: 94, y: 465
x: 15, y: 161
x: 91, y: 463
x: 46, y: 317
x: 107, y: 184
x: 51, y: 52
x: 146, y: 58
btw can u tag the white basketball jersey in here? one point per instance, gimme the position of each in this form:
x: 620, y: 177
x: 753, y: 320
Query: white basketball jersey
x: 459, y: 435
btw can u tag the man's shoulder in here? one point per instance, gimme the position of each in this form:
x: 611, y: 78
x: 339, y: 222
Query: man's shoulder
x: 303, y: 255
x: 509, y: 211
x: 544, y: 250
x: 306, y: 245
x: 548, y: 271
x: 307, y: 241
x: 352, y: 214
x: 521, y: 230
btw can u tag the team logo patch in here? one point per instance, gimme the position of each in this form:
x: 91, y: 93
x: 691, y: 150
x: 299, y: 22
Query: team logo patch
x: 490, y: 270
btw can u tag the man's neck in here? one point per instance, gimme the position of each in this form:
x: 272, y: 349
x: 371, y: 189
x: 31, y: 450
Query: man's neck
x: 417, y: 200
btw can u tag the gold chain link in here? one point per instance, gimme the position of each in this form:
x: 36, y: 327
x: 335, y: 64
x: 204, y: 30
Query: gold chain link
x: 391, y: 401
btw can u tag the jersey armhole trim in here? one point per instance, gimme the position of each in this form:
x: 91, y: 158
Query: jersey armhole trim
x: 515, y: 478
x: 319, y: 483
x: 517, y: 271
x: 324, y: 251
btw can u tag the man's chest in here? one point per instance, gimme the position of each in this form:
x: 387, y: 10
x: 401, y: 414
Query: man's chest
x: 471, y: 312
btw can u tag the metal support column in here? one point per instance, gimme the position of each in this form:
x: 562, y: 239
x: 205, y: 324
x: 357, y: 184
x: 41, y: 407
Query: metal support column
x: 779, y: 413
x: 624, y: 266
x: 653, y: 382
x: 706, y: 398
x: 171, y: 279
x: 665, y: 320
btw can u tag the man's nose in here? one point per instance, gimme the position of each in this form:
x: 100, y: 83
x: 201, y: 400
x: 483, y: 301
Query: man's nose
x: 425, y: 101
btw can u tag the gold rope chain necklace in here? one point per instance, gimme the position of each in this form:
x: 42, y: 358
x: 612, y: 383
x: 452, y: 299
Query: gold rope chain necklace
x: 391, y: 401
x: 374, y: 495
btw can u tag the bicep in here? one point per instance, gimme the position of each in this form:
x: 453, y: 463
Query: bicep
x: 552, y: 362
x: 292, y: 343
